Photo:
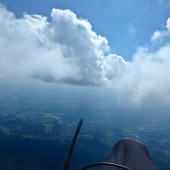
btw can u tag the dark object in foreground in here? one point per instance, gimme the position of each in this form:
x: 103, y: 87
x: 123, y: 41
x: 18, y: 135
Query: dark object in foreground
x: 127, y: 154
x: 106, y: 165
x: 68, y: 160
x: 130, y: 153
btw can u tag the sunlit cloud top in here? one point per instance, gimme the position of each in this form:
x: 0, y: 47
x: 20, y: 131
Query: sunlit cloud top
x: 62, y: 50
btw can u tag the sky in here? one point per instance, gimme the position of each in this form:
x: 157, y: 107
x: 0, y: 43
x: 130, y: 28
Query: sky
x: 126, y: 24
x: 119, y: 44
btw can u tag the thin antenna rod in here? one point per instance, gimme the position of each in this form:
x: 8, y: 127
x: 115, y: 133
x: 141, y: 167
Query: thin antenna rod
x: 68, y: 160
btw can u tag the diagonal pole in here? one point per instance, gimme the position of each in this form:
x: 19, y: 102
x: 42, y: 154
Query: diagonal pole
x: 68, y: 160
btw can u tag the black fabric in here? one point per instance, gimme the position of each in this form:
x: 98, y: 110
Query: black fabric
x: 130, y: 153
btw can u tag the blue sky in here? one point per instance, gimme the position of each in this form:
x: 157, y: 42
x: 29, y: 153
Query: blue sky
x: 127, y: 24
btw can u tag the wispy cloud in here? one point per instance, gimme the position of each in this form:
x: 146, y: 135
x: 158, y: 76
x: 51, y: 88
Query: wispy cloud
x: 164, y: 3
x: 132, y: 31
x: 160, y: 35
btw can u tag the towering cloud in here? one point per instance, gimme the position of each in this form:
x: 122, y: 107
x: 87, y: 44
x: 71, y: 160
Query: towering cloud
x: 62, y: 50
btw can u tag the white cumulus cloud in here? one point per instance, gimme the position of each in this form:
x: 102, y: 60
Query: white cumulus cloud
x: 145, y: 81
x: 64, y: 49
